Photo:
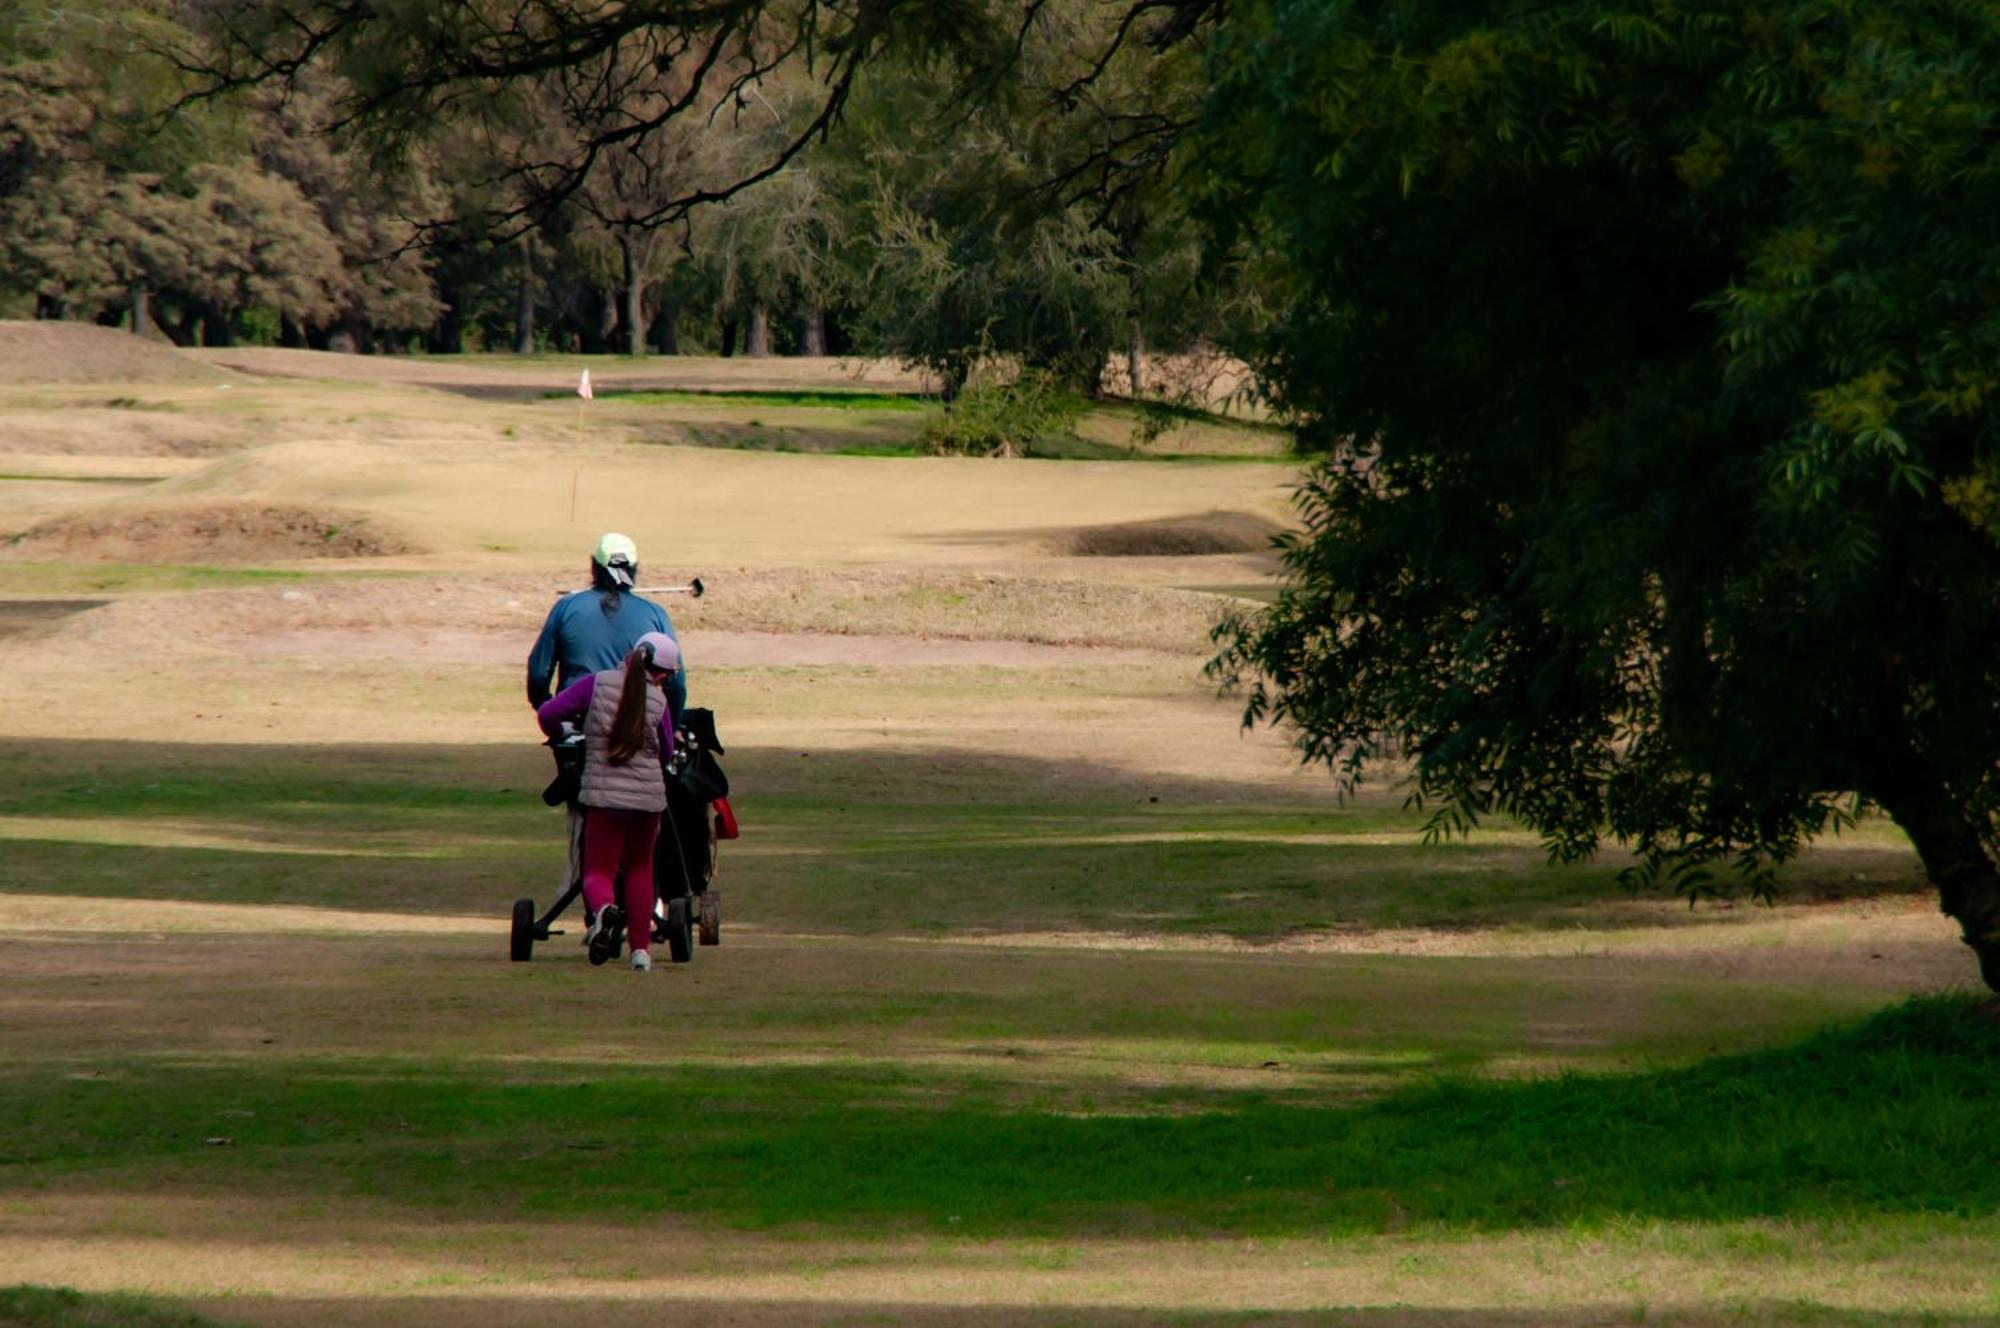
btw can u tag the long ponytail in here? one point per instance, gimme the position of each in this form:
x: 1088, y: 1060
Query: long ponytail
x: 628, y: 724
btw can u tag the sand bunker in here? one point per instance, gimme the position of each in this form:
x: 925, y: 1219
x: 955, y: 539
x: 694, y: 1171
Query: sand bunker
x: 1181, y: 536
x: 57, y: 352
x: 211, y: 533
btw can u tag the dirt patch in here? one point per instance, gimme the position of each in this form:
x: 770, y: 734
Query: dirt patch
x: 56, y: 352
x: 213, y: 533
x: 1183, y: 536
x: 715, y: 650
x: 464, y: 613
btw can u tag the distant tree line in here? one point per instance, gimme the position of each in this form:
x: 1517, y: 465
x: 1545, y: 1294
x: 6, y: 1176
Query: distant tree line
x: 665, y: 191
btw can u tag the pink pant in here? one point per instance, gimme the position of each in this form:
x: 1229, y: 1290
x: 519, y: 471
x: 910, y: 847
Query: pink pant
x: 615, y: 841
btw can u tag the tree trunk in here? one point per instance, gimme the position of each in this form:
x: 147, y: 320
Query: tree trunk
x: 812, y: 336
x: 728, y: 337
x: 1135, y: 354
x: 952, y: 377
x: 350, y: 338
x: 667, y: 328
x: 1957, y: 863
x: 757, y: 340
x: 185, y: 328
x: 524, y: 300
x: 635, y: 295
x: 607, y: 322
x: 142, y: 309
x: 449, y: 336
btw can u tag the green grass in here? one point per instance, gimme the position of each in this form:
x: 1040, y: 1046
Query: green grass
x: 819, y: 398
x: 1890, y: 1116
x: 60, y: 1307
x: 1071, y: 447
x: 79, y: 479
x: 854, y: 842
x: 61, y: 578
x: 804, y: 441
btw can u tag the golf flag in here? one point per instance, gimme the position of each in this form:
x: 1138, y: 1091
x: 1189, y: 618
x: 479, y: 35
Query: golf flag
x: 583, y: 385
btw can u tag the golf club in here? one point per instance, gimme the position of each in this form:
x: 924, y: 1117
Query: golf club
x: 693, y: 587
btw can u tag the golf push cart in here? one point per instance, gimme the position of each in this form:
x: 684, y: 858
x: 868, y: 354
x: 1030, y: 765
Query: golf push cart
x: 698, y: 816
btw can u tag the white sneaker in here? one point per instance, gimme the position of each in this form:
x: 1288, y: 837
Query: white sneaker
x: 641, y: 962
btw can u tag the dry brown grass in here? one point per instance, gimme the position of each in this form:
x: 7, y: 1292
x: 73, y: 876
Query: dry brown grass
x: 110, y: 432
x: 478, y: 374
x: 871, y: 602
x: 58, y: 352
x: 240, y: 532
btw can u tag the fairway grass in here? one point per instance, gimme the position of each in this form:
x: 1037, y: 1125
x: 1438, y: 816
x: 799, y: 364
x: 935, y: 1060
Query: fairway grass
x: 863, y: 840
x: 1046, y: 995
x: 1846, y: 1177
x: 1799, y: 1133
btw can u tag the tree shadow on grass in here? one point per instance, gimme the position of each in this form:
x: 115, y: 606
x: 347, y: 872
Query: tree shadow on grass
x: 860, y: 840
x: 1891, y: 1116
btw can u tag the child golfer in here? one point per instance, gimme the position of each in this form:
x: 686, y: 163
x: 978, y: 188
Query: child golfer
x: 628, y: 732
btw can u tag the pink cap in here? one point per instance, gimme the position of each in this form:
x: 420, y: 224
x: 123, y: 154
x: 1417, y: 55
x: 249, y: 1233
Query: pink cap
x: 663, y: 650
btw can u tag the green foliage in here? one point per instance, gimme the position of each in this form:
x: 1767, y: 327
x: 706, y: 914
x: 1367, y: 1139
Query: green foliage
x: 110, y: 186
x: 1645, y: 346
x: 994, y: 230
x: 487, y: 189
x: 1016, y: 417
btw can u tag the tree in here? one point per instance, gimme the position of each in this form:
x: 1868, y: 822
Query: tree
x: 405, y: 70
x: 81, y: 140
x: 772, y: 245
x: 44, y: 201
x: 1031, y: 219
x: 1651, y: 349
x: 633, y: 183
x: 250, y: 240
x: 371, y: 210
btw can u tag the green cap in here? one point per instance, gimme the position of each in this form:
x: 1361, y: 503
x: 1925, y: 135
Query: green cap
x: 617, y: 555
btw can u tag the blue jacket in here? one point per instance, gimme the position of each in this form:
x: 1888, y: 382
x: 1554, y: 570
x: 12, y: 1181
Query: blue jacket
x: 582, y: 637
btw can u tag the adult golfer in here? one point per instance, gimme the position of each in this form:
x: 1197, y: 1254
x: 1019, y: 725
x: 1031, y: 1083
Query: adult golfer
x: 589, y: 631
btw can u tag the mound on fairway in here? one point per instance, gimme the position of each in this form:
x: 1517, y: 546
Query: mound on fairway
x: 1179, y: 536
x: 211, y: 533
x: 55, y: 352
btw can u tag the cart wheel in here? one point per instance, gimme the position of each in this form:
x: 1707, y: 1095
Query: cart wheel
x: 521, y: 941
x: 680, y: 937
x: 711, y: 918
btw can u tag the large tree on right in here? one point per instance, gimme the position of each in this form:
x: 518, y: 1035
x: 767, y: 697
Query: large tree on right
x: 1653, y: 352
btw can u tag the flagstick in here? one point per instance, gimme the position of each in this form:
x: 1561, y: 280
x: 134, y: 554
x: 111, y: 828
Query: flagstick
x: 575, y: 469
x: 582, y: 395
